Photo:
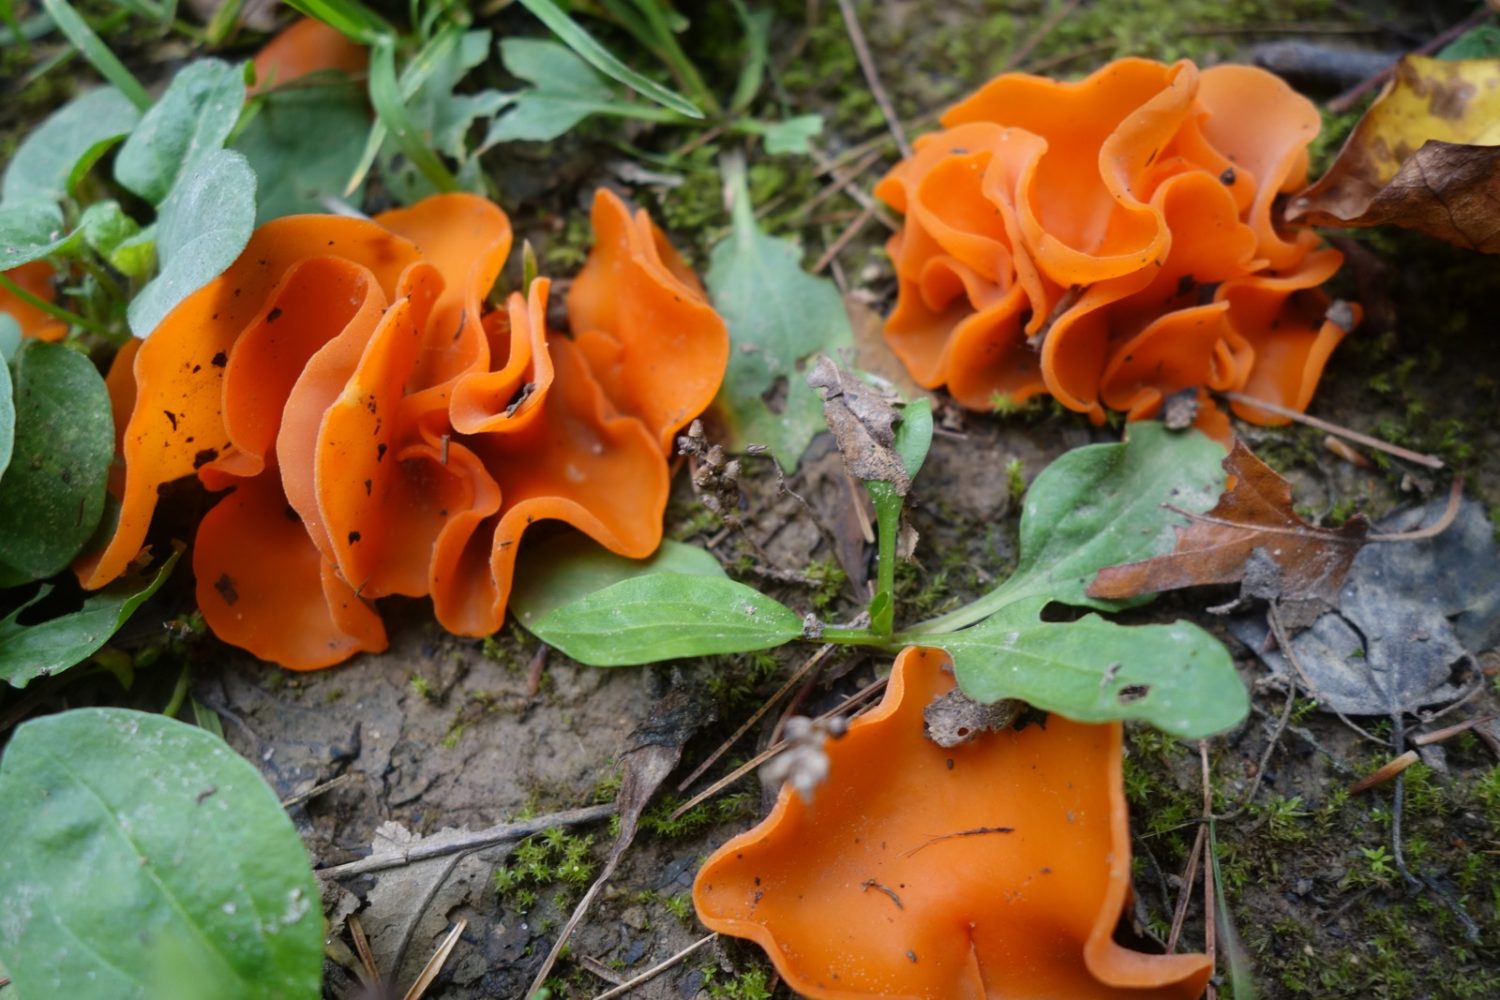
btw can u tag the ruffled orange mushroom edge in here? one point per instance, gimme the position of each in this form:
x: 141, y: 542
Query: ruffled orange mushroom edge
x: 1112, y: 242
x: 998, y: 868
x: 378, y: 432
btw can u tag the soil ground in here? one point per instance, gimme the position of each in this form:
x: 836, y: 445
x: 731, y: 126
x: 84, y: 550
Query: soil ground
x: 445, y: 732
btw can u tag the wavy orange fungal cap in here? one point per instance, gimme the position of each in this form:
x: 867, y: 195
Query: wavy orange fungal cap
x: 35, y: 279
x: 1055, y: 231
x: 304, y: 47
x: 177, y: 424
x: 994, y: 869
x: 642, y: 321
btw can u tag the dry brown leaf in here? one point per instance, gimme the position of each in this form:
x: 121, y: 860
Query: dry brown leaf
x: 1251, y: 536
x: 1426, y: 156
x: 862, y: 418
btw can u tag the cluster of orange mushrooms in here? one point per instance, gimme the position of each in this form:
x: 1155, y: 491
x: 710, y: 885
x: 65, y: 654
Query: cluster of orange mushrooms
x: 1112, y: 242
x: 380, y: 430
x: 375, y: 427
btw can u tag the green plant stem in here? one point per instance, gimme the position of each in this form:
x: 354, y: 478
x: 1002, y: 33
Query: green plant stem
x: 179, y: 695
x: 969, y: 614
x: 887, y: 523
x: 853, y: 637
x: 77, y: 30
x: 681, y: 67
x: 56, y: 312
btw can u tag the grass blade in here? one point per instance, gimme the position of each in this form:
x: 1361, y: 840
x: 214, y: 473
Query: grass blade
x: 572, y: 34
x: 350, y: 17
x: 390, y: 107
x: 77, y: 30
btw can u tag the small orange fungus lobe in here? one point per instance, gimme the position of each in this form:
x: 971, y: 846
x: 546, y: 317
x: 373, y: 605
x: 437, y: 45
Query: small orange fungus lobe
x: 1111, y: 242
x: 35, y: 279
x: 379, y: 434
x: 997, y: 868
x: 305, y: 47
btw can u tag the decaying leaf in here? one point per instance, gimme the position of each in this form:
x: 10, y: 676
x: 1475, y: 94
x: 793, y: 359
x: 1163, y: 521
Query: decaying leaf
x: 1410, y: 618
x: 1253, y: 537
x: 1426, y: 156
x: 863, y: 419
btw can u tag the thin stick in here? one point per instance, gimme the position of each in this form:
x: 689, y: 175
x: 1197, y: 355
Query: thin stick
x: 316, y: 790
x: 839, y: 183
x: 362, y: 948
x: 769, y: 752
x: 435, y: 963
x: 978, y: 831
x: 1384, y: 773
x: 872, y: 76
x: 1189, y: 878
x: 1455, y: 494
x: 440, y: 845
x: 1345, y: 101
x: 655, y: 970
x: 1265, y: 757
x: 1439, y: 735
x: 1210, y: 937
x: 850, y: 231
x: 1430, y: 461
x: 796, y: 678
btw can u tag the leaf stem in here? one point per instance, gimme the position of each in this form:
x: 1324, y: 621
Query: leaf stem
x: 887, y: 522
x: 853, y: 637
x: 55, y: 311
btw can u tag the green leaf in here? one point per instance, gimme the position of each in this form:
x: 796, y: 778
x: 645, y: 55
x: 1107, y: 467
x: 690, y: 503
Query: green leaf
x: 570, y: 566
x: 53, y: 492
x: 390, y: 106
x: 663, y: 616
x: 913, y: 437
x: 348, y: 16
x: 202, y: 227
x: 303, y: 144
x: 52, y: 646
x: 30, y: 231
x: 778, y: 316
x: 193, y: 118
x: 572, y: 34
x: 7, y: 408
x: 10, y: 342
x: 105, y: 226
x: 1482, y: 42
x: 145, y: 859
x: 96, y: 52
x: 757, y: 25
x: 135, y: 256
x: 565, y: 91
x: 46, y: 158
x: 1177, y: 677
x: 1094, y: 507
x: 790, y: 135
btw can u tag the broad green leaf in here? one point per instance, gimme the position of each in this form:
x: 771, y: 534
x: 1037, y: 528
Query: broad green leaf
x: 193, y: 118
x: 913, y: 435
x: 201, y: 228
x: 778, y: 316
x: 52, y: 646
x: 53, y: 492
x: 570, y: 566
x: 145, y: 860
x: 1177, y: 677
x: 30, y: 231
x: 7, y: 407
x: 565, y: 90
x: 44, y: 161
x: 303, y: 144
x: 1482, y: 42
x: 573, y: 35
x: 1099, y: 506
x: 789, y: 135
x: 663, y: 616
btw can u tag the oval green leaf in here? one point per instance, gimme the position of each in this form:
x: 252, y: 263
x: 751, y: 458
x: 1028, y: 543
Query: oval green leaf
x: 201, y: 228
x: 665, y: 616
x: 193, y: 118
x: 570, y: 566
x: 45, y: 160
x: 53, y: 492
x: 145, y: 859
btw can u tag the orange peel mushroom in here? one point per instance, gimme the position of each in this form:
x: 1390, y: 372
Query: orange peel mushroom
x: 35, y: 279
x: 304, y: 47
x: 997, y: 868
x: 380, y: 434
x: 1055, y: 231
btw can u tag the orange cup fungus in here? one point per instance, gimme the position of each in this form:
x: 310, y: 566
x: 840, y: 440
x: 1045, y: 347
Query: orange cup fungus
x: 304, y: 47
x: 997, y: 868
x: 1112, y: 242
x: 381, y: 431
x: 35, y: 279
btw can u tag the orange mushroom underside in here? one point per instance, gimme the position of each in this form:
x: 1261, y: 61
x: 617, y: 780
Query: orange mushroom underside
x: 382, y: 435
x: 1111, y: 242
x: 998, y: 868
